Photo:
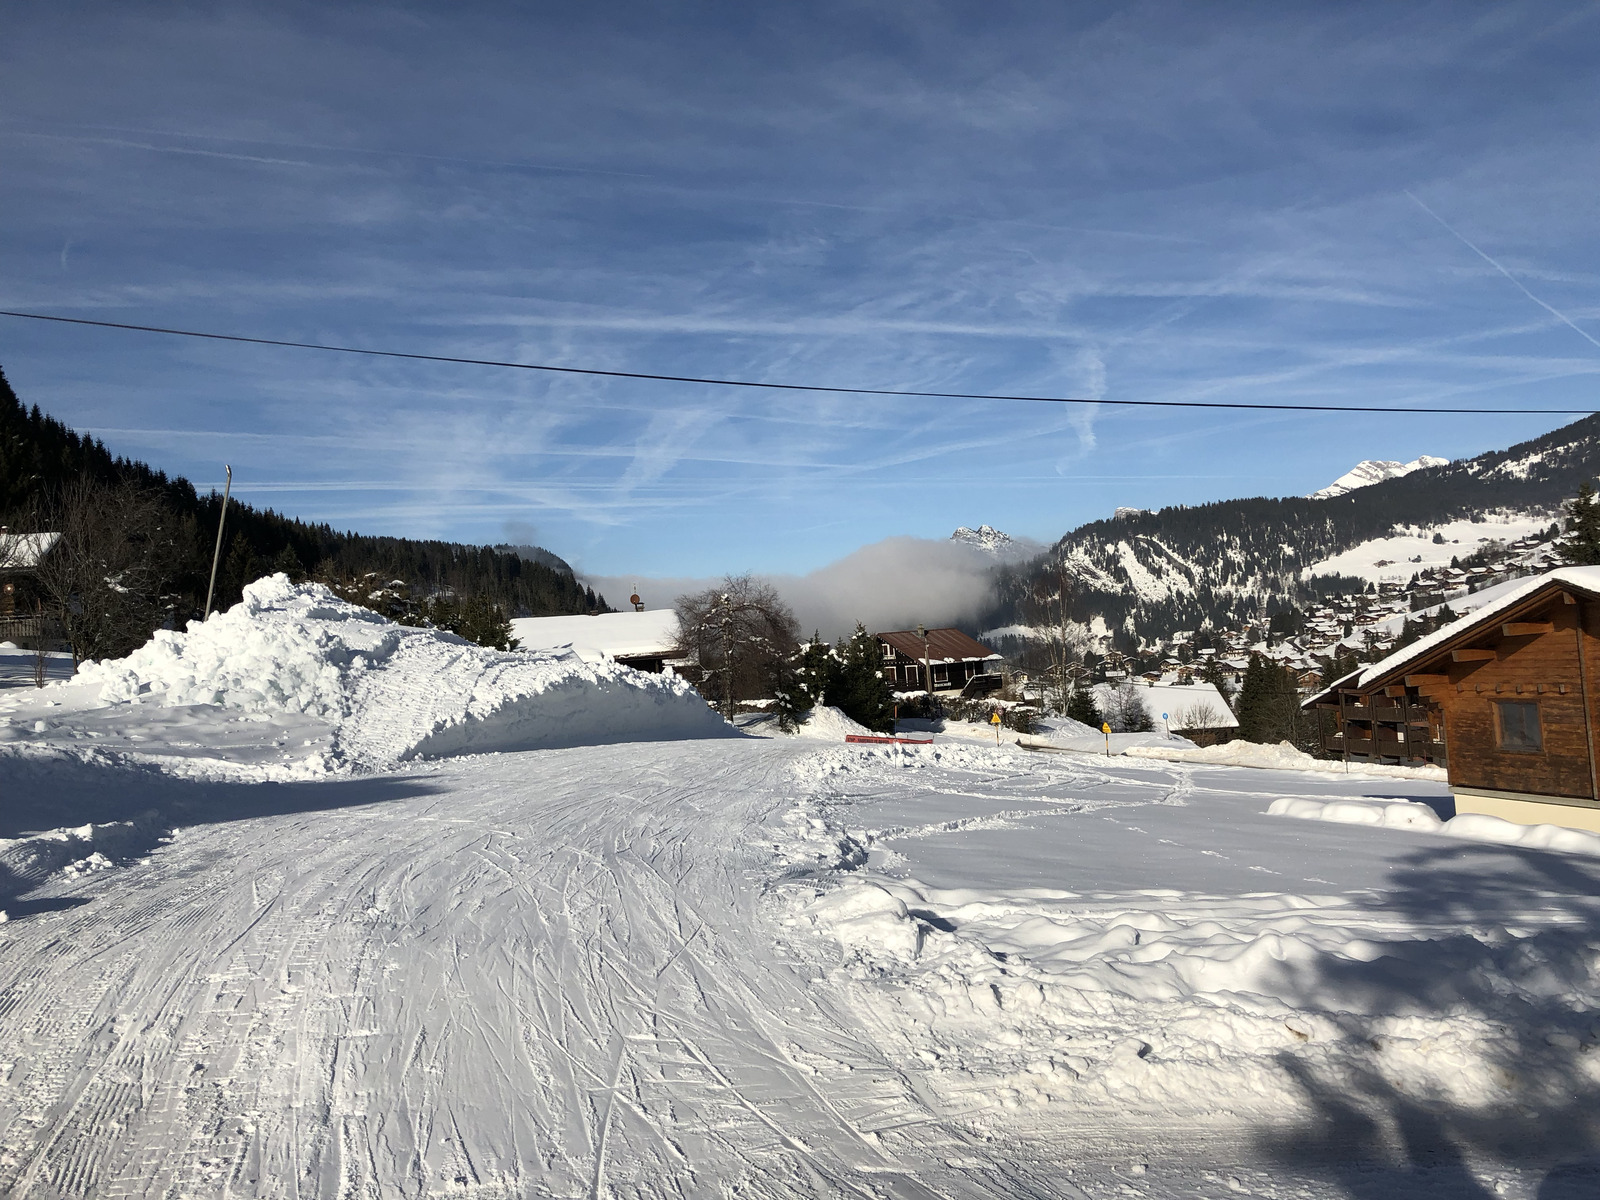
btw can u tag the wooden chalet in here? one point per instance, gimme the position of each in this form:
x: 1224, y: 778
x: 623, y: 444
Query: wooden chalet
x: 1507, y: 699
x: 22, y: 619
x: 952, y: 657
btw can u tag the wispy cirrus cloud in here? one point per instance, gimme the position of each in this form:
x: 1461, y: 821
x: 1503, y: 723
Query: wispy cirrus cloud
x: 1102, y: 201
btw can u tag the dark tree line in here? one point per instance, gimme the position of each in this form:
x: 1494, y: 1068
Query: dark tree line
x: 119, y: 510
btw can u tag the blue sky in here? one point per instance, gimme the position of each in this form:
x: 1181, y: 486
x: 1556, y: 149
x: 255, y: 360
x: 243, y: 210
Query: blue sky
x: 1151, y: 201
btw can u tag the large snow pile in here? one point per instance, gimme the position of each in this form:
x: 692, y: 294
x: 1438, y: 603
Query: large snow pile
x: 392, y: 692
x: 829, y: 724
x: 1281, y: 757
x: 1405, y: 814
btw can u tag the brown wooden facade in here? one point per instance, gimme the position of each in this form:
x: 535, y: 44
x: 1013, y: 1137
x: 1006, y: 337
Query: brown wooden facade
x: 953, y: 658
x: 1507, y: 700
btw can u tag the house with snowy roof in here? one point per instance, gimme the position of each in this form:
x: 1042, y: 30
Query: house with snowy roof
x: 950, y: 656
x: 646, y: 641
x: 21, y: 621
x: 1507, y: 698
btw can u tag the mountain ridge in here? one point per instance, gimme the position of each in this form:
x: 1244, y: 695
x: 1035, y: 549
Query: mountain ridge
x: 1139, y: 577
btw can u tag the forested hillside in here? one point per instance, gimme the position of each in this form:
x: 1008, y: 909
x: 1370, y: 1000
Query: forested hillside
x: 1148, y: 574
x: 41, y: 458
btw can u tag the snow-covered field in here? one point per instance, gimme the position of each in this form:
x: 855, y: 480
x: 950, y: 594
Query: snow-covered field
x: 774, y: 966
x: 1397, y: 558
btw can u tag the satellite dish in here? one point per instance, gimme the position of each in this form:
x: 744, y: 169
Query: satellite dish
x: 634, y: 599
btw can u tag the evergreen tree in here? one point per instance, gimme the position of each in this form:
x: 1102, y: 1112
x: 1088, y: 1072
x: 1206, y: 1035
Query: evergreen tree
x: 859, y: 689
x: 1081, y: 707
x: 1254, y: 699
x: 1269, y: 704
x: 801, y: 682
x: 1211, y: 672
x: 1581, y: 545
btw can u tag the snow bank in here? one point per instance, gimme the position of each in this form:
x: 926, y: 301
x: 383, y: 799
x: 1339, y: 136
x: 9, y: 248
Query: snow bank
x: 1063, y: 733
x: 829, y: 724
x: 391, y: 692
x: 967, y: 912
x: 1281, y: 757
x: 1472, y: 827
x: 28, y: 861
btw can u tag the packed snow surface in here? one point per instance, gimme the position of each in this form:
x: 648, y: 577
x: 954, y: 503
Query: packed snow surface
x: 353, y: 690
x: 777, y: 967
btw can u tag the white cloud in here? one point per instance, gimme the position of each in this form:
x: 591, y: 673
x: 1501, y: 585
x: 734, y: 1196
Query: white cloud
x: 891, y: 584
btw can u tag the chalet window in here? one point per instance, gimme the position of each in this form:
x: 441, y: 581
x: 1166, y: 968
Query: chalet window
x: 1517, y: 725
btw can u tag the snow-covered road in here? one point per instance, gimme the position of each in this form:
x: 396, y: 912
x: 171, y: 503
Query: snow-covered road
x: 685, y: 969
x: 526, y: 974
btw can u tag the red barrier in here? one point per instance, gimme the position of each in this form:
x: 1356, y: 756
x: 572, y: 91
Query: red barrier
x: 870, y: 737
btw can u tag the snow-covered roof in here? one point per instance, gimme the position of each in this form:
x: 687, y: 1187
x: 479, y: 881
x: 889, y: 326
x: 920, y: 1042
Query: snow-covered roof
x: 608, y: 635
x: 1583, y: 579
x: 1180, y: 701
x: 24, y: 551
x: 941, y: 645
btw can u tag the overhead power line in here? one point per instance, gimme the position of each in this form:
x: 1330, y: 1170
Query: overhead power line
x: 801, y: 387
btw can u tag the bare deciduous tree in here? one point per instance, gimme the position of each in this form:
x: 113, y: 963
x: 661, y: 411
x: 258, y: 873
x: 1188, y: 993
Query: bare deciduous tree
x: 1062, y: 639
x: 739, y: 633
x: 1199, y: 715
x: 103, y: 580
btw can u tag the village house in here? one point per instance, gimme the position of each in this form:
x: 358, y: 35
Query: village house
x: 645, y: 641
x: 1507, y: 698
x: 21, y: 618
x: 952, y: 656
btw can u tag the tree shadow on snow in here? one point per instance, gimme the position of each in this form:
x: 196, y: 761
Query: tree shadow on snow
x: 1508, y: 962
x: 17, y: 909
x: 139, y: 806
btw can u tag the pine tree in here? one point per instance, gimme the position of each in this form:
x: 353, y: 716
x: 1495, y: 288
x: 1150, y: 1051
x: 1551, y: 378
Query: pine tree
x: 1254, y: 700
x: 801, y: 682
x: 859, y: 689
x: 1269, y: 704
x: 1211, y: 672
x: 1580, y: 547
x: 1081, y: 707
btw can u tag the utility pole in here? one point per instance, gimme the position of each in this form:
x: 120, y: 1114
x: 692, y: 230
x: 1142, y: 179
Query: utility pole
x: 216, y: 554
x: 927, y: 662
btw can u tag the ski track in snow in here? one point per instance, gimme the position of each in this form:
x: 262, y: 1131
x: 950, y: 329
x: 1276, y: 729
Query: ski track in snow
x: 532, y: 980
x: 580, y: 973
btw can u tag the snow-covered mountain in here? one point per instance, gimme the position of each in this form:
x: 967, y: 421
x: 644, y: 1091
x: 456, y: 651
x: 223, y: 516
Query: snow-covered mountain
x: 1145, y: 575
x: 986, y: 538
x: 1375, y: 470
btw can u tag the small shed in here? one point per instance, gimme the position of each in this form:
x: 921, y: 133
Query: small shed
x: 1507, y: 698
x: 951, y: 656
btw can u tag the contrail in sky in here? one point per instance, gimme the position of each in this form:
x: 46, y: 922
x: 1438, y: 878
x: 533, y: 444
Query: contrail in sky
x: 1557, y: 313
